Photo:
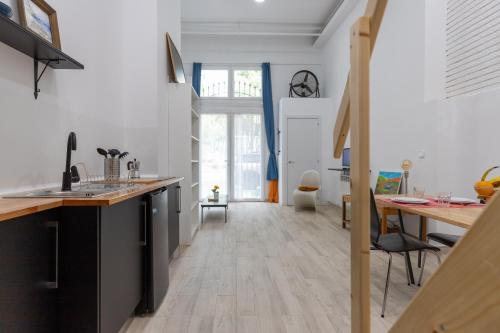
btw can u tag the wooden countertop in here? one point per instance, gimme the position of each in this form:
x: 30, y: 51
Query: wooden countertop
x: 17, y: 207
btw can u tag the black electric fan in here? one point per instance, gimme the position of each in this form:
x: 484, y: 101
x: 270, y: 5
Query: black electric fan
x: 304, y: 84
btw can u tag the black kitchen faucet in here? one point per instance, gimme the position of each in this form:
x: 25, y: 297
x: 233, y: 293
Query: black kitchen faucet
x: 68, y: 176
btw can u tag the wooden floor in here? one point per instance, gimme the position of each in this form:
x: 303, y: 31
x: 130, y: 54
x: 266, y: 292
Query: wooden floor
x: 271, y: 270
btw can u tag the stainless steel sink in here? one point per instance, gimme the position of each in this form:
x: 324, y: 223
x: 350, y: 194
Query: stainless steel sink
x: 83, y: 191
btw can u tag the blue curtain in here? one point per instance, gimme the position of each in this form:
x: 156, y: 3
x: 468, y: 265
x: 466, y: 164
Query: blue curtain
x: 267, y: 96
x: 197, y: 77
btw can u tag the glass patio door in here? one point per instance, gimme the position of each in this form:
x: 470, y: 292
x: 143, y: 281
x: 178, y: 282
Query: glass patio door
x: 214, y: 153
x: 231, y: 155
x: 247, y: 157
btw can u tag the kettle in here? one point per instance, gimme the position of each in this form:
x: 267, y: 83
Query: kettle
x: 133, y: 169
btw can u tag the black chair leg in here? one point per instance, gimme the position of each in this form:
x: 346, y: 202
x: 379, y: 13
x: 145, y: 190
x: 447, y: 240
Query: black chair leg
x: 422, y: 269
x: 410, y: 268
x: 407, y: 273
x: 387, y: 281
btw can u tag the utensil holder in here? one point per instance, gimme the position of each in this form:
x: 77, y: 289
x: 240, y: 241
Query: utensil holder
x: 111, y: 169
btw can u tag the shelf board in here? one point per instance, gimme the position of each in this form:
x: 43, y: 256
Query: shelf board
x: 194, y: 185
x: 195, y: 161
x: 27, y: 42
x: 194, y: 94
x: 195, y: 139
x: 195, y: 114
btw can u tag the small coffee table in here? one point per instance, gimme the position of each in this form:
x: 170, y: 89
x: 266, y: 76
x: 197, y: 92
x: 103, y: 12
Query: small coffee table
x: 222, y: 203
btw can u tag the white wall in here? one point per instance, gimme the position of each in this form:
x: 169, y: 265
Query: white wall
x: 114, y: 102
x: 408, y: 115
x: 33, y: 133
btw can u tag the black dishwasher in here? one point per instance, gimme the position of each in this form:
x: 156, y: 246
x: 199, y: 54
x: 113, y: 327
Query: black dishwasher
x: 156, y: 254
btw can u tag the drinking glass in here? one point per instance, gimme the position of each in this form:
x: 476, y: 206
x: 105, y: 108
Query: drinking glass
x: 444, y: 199
x: 419, y: 191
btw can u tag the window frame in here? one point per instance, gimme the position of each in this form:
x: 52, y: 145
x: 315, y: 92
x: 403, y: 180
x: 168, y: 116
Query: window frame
x: 231, y: 68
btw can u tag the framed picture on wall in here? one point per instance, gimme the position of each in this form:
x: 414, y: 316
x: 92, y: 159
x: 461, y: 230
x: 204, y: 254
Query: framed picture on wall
x: 40, y: 18
x: 175, y: 66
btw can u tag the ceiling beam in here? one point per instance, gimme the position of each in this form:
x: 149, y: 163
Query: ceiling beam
x: 338, y: 16
x: 250, y: 29
x: 251, y: 33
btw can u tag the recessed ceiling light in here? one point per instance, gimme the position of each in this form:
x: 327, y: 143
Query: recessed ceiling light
x: 260, y: 1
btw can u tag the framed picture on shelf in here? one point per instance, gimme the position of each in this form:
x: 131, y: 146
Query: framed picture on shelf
x: 175, y: 66
x: 40, y: 18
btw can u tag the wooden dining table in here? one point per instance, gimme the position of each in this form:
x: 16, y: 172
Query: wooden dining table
x: 460, y: 217
x: 463, y: 217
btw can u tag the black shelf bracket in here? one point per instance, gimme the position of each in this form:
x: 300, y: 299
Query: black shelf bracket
x: 38, y: 77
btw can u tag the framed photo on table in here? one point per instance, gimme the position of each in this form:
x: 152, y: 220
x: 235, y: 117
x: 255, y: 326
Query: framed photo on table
x: 41, y: 19
x: 389, y: 182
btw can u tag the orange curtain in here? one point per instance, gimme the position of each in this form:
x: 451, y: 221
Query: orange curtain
x: 273, y: 191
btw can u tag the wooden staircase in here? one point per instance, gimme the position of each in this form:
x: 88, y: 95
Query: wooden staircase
x: 463, y: 295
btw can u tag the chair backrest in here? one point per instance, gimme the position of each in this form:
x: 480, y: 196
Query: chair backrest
x: 310, y: 178
x: 374, y: 219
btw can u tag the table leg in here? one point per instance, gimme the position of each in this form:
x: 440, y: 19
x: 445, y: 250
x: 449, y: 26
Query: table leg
x: 422, y: 234
x: 407, y: 254
x: 202, y: 215
x: 225, y: 214
x: 384, y: 223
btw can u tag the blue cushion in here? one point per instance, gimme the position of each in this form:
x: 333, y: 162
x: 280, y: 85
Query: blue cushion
x: 5, y: 10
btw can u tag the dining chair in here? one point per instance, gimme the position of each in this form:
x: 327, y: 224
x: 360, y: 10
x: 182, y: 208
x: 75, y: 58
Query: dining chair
x: 394, y: 243
x: 445, y: 239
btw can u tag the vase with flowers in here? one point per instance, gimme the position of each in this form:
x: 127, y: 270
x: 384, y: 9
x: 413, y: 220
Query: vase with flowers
x: 215, y: 190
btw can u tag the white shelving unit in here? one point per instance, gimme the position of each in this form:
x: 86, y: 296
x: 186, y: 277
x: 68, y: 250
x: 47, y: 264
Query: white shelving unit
x: 183, y: 121
x: 195, y: 161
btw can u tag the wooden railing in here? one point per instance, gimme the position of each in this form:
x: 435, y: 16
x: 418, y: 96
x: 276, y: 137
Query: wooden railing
x: 463, y: 295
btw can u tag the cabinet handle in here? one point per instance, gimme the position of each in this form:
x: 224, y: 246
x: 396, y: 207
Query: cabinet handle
x: 145, y: 226
x: 55, y: 284
x: 179, y: 199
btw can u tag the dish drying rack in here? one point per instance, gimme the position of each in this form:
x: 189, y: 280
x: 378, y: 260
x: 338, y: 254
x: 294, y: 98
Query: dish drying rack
x: 112, y: 178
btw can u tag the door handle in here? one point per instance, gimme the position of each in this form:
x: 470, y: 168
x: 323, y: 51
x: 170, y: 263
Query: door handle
x: 54, y: 284
x: 144, y: 242
x: 179, y: 199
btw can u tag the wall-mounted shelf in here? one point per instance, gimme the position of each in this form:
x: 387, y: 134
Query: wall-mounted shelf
x: 25, y: 41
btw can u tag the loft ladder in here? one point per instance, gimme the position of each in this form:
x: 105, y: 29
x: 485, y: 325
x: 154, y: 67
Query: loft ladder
x: 463, y: 295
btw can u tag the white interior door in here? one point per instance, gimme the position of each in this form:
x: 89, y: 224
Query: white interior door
x: 303, y: 150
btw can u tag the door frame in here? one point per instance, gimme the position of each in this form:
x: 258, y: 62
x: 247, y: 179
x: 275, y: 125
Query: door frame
x: 230, y: 112
x: 285, y: 148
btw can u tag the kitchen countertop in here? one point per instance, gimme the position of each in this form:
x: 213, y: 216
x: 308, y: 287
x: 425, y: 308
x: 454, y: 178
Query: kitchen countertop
x: 17, y: 207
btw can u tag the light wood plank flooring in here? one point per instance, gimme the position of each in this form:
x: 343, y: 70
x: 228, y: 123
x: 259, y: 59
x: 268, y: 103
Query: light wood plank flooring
x: 271, y: 270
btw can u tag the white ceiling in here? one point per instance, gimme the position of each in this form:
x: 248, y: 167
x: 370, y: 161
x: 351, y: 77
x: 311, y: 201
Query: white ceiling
x: 247, y: 16
x: 271, y: 11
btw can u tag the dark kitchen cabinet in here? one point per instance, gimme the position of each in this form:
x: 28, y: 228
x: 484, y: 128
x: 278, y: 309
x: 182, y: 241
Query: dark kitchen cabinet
x: 174, y: 209
x: 80, y: 269
x: 28, y: 273
x: 101, y: 266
